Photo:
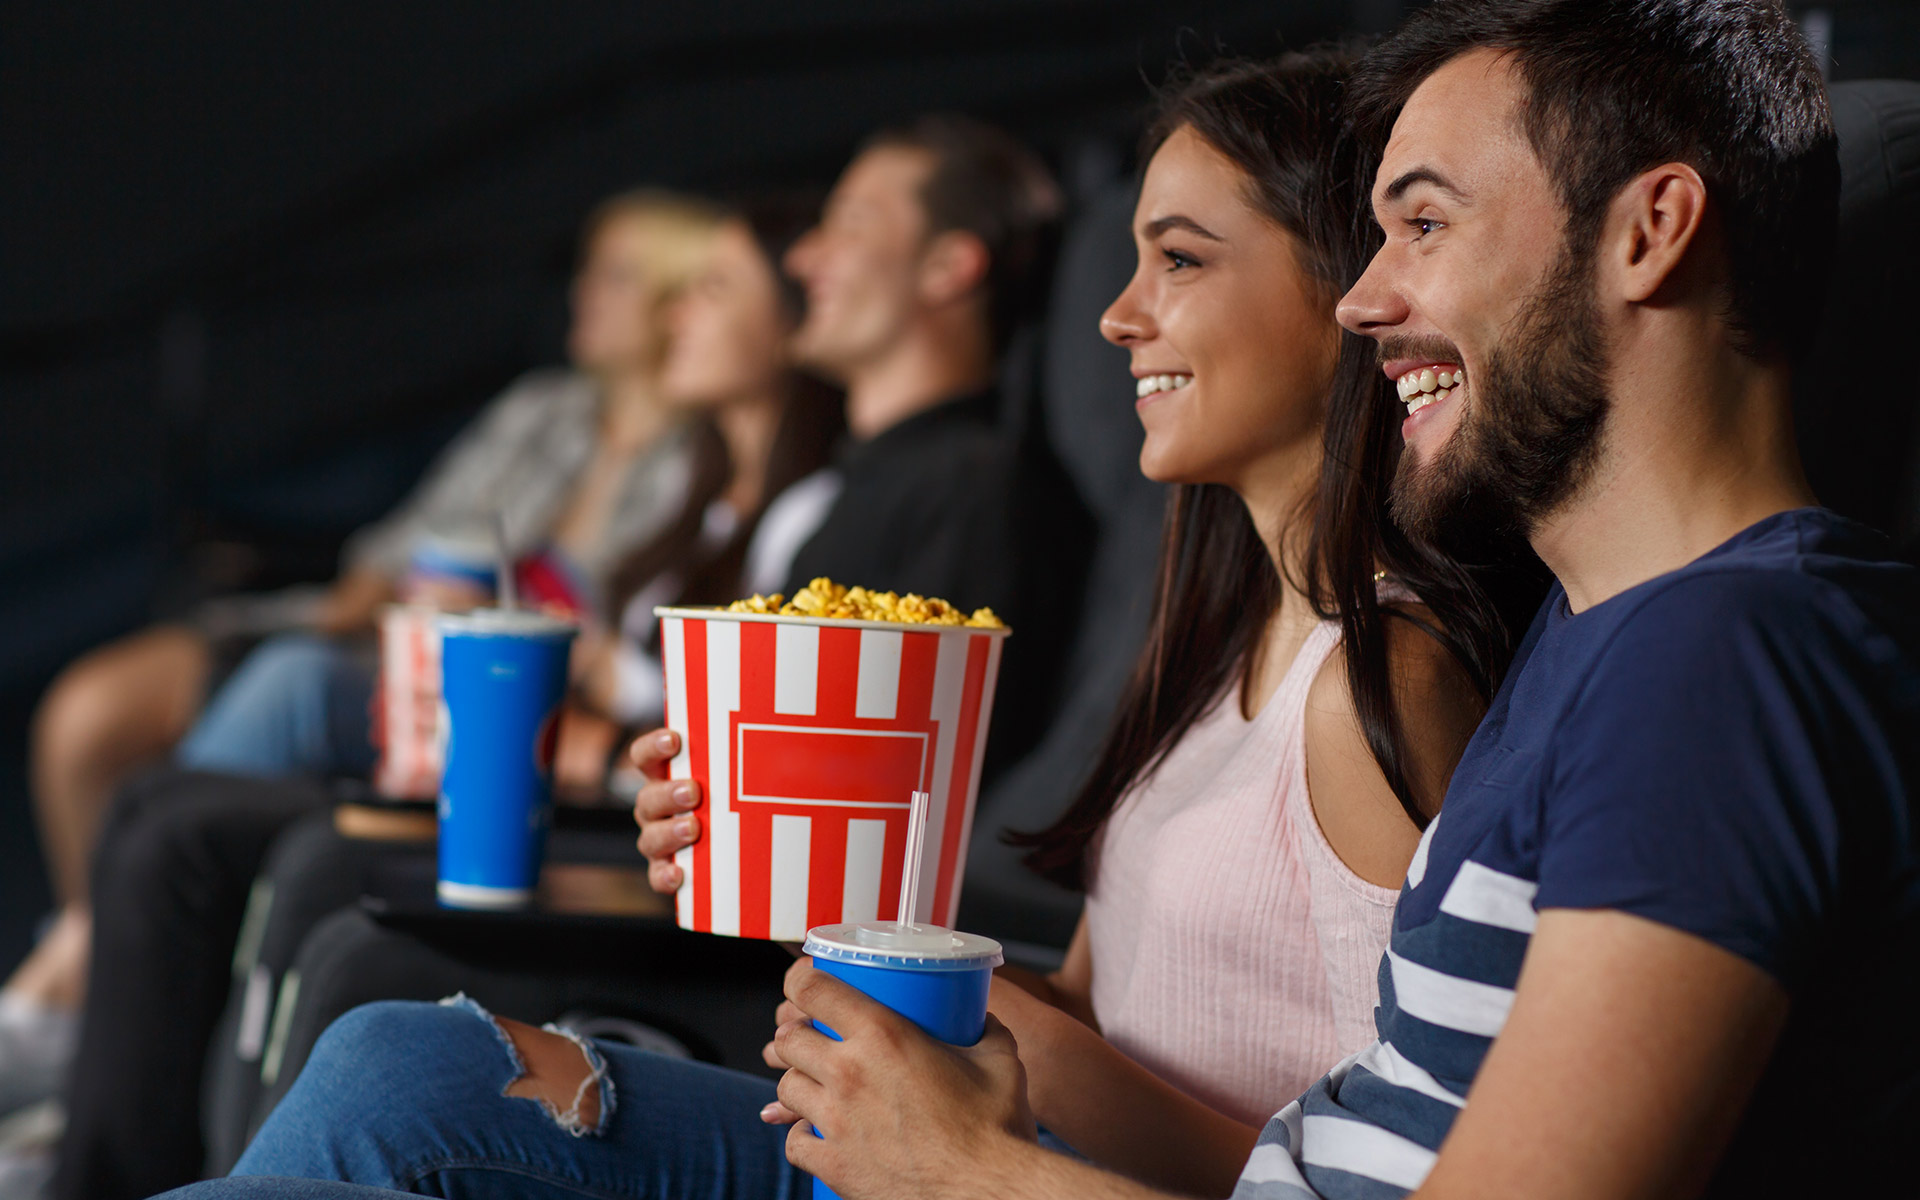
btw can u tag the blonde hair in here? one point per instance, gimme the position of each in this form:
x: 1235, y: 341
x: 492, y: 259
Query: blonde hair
x: 682, y: 229
x: 679, y: 235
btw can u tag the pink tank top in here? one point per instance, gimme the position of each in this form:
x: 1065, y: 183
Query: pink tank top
x: 1235, y: 956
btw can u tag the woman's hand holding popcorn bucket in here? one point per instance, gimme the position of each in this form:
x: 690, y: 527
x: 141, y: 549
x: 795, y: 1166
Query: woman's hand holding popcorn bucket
x: 798, y: 731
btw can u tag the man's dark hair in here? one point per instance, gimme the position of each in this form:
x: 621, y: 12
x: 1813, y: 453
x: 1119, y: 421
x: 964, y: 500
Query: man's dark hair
x: 1620, y: 86
x: 985, y: 182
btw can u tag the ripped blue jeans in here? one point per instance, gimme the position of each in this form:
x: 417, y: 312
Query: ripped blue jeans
x: 412, y: 1097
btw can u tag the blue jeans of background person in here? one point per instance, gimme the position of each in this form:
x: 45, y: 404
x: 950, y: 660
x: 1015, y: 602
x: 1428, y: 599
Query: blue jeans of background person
x: 409, y: 1096
x: 296, y: 706
x: 262, y: 1188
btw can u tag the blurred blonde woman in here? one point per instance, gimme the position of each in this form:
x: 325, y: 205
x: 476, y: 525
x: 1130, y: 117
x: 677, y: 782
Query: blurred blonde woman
x: 583, y: 462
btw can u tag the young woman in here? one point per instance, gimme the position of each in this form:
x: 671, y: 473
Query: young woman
x: 1310, y: 679
x: 762, y: 480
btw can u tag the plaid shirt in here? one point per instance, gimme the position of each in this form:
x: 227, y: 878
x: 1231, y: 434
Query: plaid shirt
x: 521, y: 458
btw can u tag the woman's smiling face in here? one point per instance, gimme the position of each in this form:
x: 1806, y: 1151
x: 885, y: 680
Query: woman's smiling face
x: 1233, y: 341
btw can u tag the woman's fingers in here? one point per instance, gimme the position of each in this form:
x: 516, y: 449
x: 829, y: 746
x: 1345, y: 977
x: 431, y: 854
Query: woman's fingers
x: 659, y: 839
x: 665, y: 799
x: 651, y: 752
x: 665, y: 876
x: 663, y: 809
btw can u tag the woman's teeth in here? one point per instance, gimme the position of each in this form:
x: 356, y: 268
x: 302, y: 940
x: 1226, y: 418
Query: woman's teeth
x: 1428, y: 386
x: 1147, y: 385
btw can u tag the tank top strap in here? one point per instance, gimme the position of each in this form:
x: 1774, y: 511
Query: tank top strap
x: 1325, y: 636
x: 1320, y: 642
x: 1289, y: 703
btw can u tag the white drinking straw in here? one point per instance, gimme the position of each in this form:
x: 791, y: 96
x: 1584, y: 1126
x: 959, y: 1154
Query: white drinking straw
x: 916, y: 845
x: 503, y: 564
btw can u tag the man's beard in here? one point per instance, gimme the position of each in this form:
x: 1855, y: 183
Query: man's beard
x: 1530, y: 432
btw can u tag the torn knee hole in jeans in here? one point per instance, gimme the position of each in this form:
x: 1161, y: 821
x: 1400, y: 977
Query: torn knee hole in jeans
x: 555, y: 1068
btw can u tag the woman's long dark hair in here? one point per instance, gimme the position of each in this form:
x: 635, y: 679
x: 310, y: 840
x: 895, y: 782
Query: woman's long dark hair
x: 812, y: 419
x: 1217, y: 589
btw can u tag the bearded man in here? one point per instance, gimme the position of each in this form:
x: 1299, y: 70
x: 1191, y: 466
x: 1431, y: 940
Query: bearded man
x: 1658, y: 939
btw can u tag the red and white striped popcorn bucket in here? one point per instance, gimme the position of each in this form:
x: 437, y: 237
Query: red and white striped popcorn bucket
x: 407, y: 717
x: 809, y: 737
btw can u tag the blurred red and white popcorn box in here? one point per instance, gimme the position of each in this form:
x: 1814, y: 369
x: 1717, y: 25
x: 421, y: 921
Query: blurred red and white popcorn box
x: 809, y: 737
x: 407, y: 716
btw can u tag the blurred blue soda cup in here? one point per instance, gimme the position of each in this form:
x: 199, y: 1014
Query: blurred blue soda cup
x: 934, y: 977
x: 503, y: 676
x: 464, y: 560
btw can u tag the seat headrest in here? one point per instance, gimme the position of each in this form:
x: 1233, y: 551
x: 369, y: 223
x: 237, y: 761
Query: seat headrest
x: 1085, y: 384
x: 1854, y: 412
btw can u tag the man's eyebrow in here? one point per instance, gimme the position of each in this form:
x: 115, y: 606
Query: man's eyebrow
x: 1407, y: 179
x: 1160, y: 225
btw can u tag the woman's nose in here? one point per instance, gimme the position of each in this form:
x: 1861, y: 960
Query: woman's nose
x: 1125, y: 321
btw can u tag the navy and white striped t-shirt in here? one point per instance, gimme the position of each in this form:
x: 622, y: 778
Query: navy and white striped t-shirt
x: 1732, y: 749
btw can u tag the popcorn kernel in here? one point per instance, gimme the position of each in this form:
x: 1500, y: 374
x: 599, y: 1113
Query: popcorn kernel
x: 825, y: 598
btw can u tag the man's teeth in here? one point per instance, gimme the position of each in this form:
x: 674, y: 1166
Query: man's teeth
x: 1428, y: 386
x: 1147, y: 385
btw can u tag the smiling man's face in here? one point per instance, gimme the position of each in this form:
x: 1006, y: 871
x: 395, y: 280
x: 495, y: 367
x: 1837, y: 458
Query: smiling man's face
x: 860, y: 266
x: 1484, y: 319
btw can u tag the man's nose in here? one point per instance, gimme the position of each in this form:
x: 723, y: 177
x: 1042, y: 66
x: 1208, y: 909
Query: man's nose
x: 1373, y: 303
x: 800, y: 255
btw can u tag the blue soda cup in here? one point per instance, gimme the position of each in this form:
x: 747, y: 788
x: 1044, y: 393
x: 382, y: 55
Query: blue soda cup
x: 471, y: 561
x: 503, y: 676
x: 934, y: 977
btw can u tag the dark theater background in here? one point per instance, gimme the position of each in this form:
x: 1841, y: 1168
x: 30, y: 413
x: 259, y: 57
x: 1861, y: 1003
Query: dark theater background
x: 261, y: 259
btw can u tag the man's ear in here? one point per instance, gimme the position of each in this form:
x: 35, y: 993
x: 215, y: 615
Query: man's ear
x: 953, y: 267
x: 1655, y: 220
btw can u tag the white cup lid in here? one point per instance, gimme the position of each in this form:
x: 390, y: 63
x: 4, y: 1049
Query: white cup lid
x: 475, y: 544
x: 512, y: 622
x: 894, y: 944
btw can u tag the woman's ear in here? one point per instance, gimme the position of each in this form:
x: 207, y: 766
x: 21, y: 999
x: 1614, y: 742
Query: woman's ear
x: 953, y: 267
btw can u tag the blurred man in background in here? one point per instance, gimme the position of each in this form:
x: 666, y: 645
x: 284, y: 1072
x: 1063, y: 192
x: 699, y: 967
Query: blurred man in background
x: 934, y: 250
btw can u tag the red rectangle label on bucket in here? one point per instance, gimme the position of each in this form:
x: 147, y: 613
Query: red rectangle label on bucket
x: 830, y: 768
